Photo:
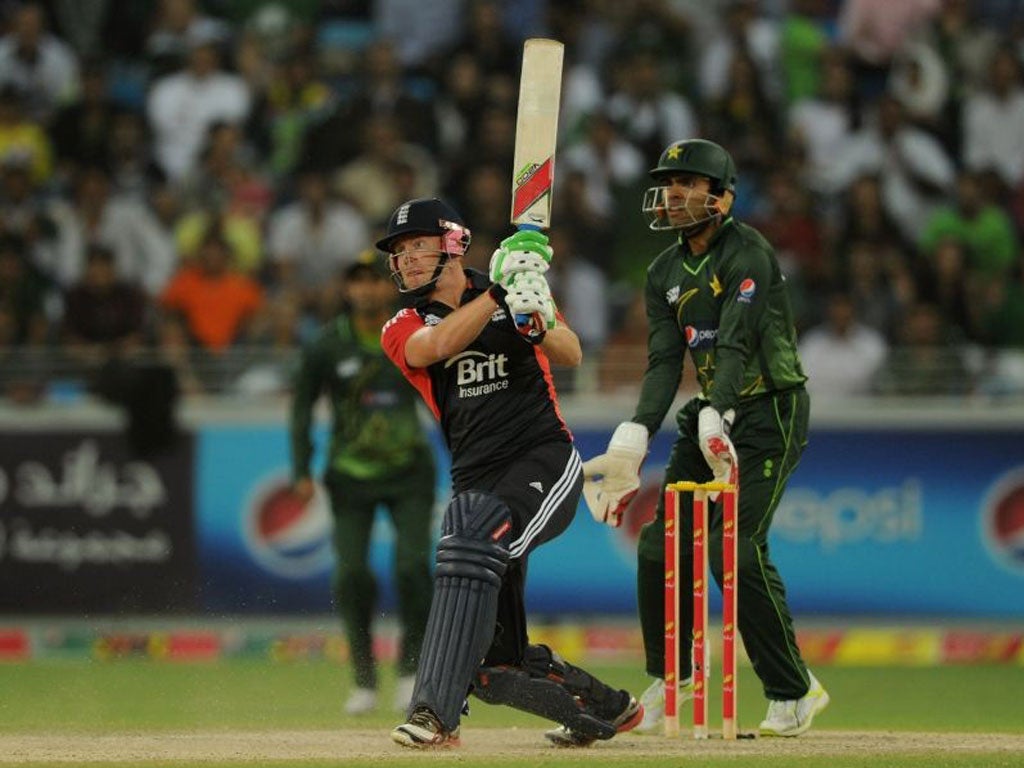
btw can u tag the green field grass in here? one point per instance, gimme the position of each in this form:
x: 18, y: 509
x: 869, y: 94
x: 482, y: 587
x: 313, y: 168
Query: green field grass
x: 129, y: 697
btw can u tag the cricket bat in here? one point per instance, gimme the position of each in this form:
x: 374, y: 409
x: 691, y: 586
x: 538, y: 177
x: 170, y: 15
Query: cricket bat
x: 533, y: 169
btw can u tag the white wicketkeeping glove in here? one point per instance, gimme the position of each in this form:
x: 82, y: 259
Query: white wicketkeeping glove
x: 611, y: 480
x: 527, y: 294
x: 719, y: 452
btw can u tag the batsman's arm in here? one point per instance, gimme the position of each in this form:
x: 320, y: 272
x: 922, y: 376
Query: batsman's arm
x: 666, y: 349
x: 454, y: 333
x: 562, y: 345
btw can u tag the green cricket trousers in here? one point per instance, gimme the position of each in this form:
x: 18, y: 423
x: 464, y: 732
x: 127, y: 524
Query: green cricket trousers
x: 408, y: 497
x: 769, y: 433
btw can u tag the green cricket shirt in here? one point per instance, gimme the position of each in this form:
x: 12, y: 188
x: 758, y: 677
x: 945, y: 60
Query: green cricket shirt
x: 375, y: 428
x: 729, y: 307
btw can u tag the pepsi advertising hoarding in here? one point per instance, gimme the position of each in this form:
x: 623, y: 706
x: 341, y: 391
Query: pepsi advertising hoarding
x: 896, y: 522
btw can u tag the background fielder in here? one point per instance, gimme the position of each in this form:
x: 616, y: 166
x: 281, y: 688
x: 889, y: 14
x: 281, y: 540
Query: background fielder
x: 378, y: 455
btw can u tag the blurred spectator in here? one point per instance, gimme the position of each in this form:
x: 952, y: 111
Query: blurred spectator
x: 591, y: 229
x: 459, y: 104
x: 369, y: 180
x: 177, y: 24
x: 38, y: 64
x: 605, y: 161
x: 874, y: 30
x: 802, y: 43
x: 419, y: 29
x: 481, y: 33
x: 920, y: 82
x: 984, y: 228
x: 383, y: 91
x: 129, y: 157
x: 864, y: 218
x: 964, y: 43
x: 944, y: 279
x: 993, y: 126
x: 787, y: 220
x: 744, y: 119
x: 880, y: 284
x: 491, y: 141
x: 225, y: 177
x: 296, y: 97
x: 915, y: 172
x: 22, y: 208
x: 487, y: 198
x: 580, y: 290
x: 826, y: 121
x: 184, y: 105
x: 924, y: 362
x: 23, y: 319
x: 313, y: 238
x: 745, y: 31
x: 142, y: 252
x: 103, y: 314
x: 243, y: 234
x: 1003, y: 314
x: 842, y: 355
x: 212, y: 301
x: 269, y: 367
x: 22, y: 139
x: 647, y: 112
x: 81, y: 131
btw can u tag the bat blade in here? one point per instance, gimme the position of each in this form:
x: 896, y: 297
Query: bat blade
x: 533, y: 170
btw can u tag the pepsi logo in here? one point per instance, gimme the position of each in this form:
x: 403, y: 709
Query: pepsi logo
x: 691, y: 336
x: 285, y: 535
x: 1003, y: 521
x: 747, y: 289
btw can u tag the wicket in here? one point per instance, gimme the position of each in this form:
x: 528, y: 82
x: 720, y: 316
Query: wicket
x: 701, y: 647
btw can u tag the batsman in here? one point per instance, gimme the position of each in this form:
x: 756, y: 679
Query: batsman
x: 717, y: 291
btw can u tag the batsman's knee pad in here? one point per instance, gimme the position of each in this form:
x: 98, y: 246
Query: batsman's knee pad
x: 520, y: 688
x: 472, y: 556
x: 474, y: 538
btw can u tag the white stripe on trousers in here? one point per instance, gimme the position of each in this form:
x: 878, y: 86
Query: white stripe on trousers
x: 554, y: 499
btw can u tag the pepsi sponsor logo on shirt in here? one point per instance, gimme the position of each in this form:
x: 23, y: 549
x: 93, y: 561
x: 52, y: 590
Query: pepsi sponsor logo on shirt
x: 747, y: 289
x: 699, y: 337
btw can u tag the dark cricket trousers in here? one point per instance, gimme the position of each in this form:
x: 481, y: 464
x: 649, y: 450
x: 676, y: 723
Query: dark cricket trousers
x: 769, y: 434
x: 408, y: 497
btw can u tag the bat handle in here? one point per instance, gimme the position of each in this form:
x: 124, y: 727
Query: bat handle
x: 525, y: 319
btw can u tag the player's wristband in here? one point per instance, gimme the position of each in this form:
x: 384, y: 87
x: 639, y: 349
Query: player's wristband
x: 498, y: 293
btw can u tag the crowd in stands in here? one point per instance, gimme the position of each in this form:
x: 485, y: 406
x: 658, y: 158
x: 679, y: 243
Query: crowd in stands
x: 187, y: 178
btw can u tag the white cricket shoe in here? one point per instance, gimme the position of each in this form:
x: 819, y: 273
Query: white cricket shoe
x: 361, y: 701
x: 653, y: 700
x: 403, y: 692
x: 793, y: 717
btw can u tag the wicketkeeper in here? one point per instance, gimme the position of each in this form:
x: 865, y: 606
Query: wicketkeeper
x: 717, y: 292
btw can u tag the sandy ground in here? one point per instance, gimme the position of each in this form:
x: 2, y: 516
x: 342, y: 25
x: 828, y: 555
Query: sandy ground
x: 508, y: 743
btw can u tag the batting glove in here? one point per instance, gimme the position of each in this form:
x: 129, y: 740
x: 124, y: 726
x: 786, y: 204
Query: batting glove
x: 525, y: 251
x: 719, y: 452
x: 611, y: 480
x: 528, y: 294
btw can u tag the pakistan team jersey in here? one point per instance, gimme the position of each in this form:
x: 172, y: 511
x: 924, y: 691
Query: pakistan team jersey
x: 495, y: 400
x: 728, y: 307
x: 375, y: 429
